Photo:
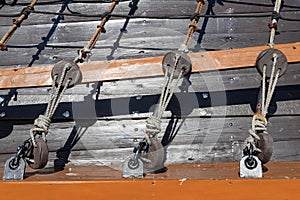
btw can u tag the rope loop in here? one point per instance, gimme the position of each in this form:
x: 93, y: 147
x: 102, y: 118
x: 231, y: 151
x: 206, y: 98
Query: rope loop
x: 153, y: 125
x: 83, y: 54
x: 259, y: 124
x: 42, y: 122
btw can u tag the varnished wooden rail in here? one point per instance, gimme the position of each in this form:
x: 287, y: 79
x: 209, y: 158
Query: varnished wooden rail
x: 38, y: 76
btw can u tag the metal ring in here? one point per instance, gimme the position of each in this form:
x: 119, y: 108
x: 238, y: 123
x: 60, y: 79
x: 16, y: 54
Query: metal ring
x: 251, y: 163
x: 133, y: 164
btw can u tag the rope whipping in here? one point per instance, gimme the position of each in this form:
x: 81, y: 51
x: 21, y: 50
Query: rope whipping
x: 259, y: 120
x: 173, y: 74
x: 85, y: 52
x: 16, y: 23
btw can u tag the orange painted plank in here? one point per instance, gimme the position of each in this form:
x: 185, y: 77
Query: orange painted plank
x: 146, y: 67
x: 277, y: 189
x: 185, y: 181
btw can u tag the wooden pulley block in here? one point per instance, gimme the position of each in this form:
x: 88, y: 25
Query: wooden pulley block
x: 73, y: 73
x: 265, y: 144
x: 39, y: 155
x: 156, y: 155
x: 183, y: 64
x: 266, y: 58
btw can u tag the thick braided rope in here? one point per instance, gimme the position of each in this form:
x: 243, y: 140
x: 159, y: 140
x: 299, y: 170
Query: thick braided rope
x: 259, y: 121
x: 42, y: 123
x: 153, y: 123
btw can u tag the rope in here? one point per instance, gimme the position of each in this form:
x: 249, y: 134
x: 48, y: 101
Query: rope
x: 219, y: 15
x: 85, y: 52
x: 42, y: 123
x: 192, y: 26
x: 259, y: 121
x: 16, y: 23
x: 273, y: 24
x: 153, y: 123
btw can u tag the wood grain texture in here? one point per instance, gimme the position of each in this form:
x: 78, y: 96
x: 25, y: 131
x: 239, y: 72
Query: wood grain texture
x: 146, y: 67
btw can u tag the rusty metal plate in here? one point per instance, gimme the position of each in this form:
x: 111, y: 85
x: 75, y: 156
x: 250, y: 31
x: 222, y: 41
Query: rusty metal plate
x: 73, y: 73
x: 184, y: 63
x: 265, y: 58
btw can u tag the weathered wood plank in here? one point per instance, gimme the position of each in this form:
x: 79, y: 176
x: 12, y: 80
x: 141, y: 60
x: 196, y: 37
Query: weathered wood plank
x: 146, y: 8
x: 198, y: 139
x: 145, y: 67
x: 240, y: 102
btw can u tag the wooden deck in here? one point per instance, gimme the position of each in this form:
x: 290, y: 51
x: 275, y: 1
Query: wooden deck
x: 187, y: 181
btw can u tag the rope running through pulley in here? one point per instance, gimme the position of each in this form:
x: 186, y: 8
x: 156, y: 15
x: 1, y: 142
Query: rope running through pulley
x: 271, y: 64
x: 149, y: 153
x: 65, y: 74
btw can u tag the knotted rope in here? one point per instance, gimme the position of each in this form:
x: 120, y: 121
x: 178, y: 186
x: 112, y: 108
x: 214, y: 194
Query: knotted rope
x: 42, y: 123
x: 259, y: 121
x: 153, y: 123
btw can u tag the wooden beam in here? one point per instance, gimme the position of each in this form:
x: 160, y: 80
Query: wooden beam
x: 188, y: 181
x: 38, y: 76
